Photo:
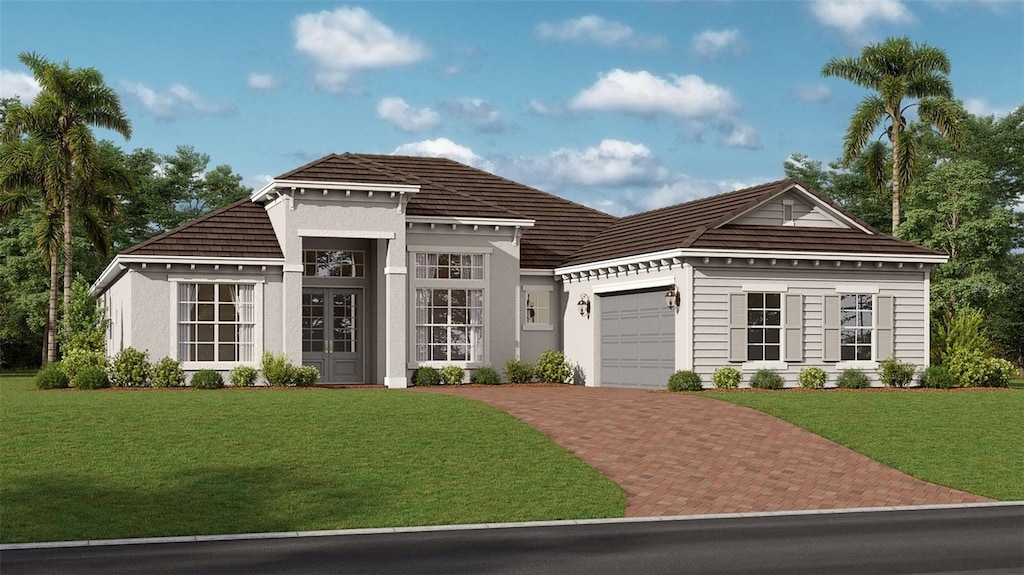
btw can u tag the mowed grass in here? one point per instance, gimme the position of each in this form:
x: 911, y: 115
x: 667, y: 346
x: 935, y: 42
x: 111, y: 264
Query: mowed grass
x: 138, y: 463
x: 968, y: 440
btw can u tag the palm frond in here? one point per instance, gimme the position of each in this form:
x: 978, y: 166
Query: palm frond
x: 905, y: 159
x: 876, y: 164
x: 944, y: 114
x: 852, y: 70
x: 869, y: 113
x: 929, y: 85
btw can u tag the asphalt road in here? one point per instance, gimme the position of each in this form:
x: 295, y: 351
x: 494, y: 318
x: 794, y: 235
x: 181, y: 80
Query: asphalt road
x: 972, y: 540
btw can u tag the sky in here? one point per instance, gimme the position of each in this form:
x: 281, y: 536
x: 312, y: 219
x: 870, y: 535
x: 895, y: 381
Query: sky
x: 621, y: 106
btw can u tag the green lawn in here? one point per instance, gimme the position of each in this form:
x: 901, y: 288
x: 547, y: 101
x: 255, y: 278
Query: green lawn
x: 969, y: 440
x: 136, y: 463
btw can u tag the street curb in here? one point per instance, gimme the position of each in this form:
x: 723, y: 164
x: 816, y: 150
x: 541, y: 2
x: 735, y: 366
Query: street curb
x: 478, y: 526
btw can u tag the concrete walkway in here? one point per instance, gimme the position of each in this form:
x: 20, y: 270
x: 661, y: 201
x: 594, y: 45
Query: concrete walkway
x: 680, y: 454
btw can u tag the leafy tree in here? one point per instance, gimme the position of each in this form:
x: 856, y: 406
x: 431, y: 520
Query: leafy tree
x: 24, y: 289
x: 849, y: 187
x: 1006, y: 321
x: 896, y: 70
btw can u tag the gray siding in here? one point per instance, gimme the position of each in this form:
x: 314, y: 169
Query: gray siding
x: 804, y: 214
x: 532, y: 342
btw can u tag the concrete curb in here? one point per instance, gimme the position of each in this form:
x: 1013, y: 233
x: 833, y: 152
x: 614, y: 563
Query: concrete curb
x: 477, y: 526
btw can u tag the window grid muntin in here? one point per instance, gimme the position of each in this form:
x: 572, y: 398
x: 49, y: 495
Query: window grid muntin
x: 449, y: 324
x: 764, y: 326
x: 334, y: 263
x: 538, y: 307
x: 455, y: 266
x: 216, y: 322
x: 856, y: 313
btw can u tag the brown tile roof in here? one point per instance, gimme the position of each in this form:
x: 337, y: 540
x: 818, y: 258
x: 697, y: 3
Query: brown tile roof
x: 239, y: 230
x: 793, y: 239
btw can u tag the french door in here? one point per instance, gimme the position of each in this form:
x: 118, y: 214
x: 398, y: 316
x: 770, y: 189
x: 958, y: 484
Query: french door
x: 332, y: 333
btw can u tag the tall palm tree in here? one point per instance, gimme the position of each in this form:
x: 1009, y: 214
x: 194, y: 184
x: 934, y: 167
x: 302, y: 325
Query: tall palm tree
x: 896, y: 70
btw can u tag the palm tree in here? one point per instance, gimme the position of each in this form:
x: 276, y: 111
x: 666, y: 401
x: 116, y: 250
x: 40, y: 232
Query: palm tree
x: 896, y: 70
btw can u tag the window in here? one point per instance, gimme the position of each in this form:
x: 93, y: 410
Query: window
x: 333, y: 263
x: 857, y: 324
x: 449, y: 266
x: 537, y: 307
x: 764, y: 326
x: 216, y: 322
x: 787, y: 212
x: 449, y: 324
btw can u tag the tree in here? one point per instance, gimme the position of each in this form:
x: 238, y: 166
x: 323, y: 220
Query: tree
x: 850, y: 187
x: 896, y: 70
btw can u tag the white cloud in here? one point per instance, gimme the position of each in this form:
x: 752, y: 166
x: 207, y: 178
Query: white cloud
x: 539, y: 108
x: 852, y: 18
x: 262, y: 81
x: 348, y: 40
x: 398, y: 113
x: 18, y: 85
x: 257, y: 181
x: 443, y: 148
x: 176, y: 102
x: 739, y: 136
x: 982, y: 107
x: 610, y: 163
x: 596, y: 30
x: 813, y: 93
x: 711, y: 44
x: 644, y: 94
x: 483, y: 116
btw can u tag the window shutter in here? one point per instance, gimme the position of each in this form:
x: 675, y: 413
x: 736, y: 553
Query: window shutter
x: 830, y: 340
x: 738, y: 327
x: 885, y: 314
x: 794, y: 328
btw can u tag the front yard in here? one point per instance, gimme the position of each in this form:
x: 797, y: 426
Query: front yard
x: 138, y: 463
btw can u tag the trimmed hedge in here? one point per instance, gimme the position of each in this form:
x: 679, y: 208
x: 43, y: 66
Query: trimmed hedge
x: 812, y: 377
x: 305, y: 376
x: 684, y: 380
x: 727, y: 378
x: 207, y: 379
x: 426, y: 376
x: 453, y: 375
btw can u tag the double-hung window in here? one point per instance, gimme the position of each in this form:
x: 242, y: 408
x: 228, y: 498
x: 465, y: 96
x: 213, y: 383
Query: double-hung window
x: 764, y: 326
x: 449, y: 314
x: 216, y: 322
x: 536, y: 308
x: 856, y: 314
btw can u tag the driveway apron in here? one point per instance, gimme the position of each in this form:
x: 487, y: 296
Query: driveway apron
x: 681, y: 454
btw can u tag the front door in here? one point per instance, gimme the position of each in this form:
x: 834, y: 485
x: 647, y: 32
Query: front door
x: 332, y: 331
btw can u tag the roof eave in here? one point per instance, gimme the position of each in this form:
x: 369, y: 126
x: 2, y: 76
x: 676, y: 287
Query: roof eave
x: 275, y: 186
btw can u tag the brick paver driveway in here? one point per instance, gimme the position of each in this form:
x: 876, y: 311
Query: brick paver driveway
x: 679, y: 455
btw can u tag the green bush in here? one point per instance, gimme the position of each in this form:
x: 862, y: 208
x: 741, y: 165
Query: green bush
x: 452, y: 374
x: 84, y: 325
x: 960, y: 331
x: 51, y: 376
x: 812, y: 377
x: 1000, y: 372
x: 551, y: 367
x: 91, y: 378
x: 207, y: 379
x: 76, y: 360
x: 277, y: 370
x: 426, y: 376
x: 938, y: 377
x: 517, y: 371
x: 853, y: 379
x: 485, y: 375
x: 167, y: 373
x: 244, y: 376
x: 766, y: 379
x: 683, y: 380
x: 305, y: 376
x: 130, y: 368
x: 727, y: 378
x: 895, y: 373
x: 972, y: 369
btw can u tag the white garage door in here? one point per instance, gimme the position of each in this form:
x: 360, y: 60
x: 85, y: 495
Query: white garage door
x: 637, y: 340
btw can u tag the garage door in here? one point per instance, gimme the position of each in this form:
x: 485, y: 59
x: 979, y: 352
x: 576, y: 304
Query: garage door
x: 637, y: 340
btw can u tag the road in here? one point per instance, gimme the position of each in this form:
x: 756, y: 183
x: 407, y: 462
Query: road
x: 971, y: 540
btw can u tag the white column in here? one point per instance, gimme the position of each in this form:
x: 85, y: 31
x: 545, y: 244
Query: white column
x: 396, y: 296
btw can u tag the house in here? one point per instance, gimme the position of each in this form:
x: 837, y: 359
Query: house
x: 369, y: 266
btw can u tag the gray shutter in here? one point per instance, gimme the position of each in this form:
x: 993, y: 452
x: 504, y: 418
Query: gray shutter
x: 830, y: 339
x: 884, y: 320
x: 738, y: 327
x: 794, y: 327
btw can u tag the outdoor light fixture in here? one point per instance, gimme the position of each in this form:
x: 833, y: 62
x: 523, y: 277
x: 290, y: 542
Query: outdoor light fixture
x: 672, y: 297
x: 584, y: 305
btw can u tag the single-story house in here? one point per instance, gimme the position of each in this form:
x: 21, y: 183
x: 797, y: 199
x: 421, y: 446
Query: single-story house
x: 369, y: 266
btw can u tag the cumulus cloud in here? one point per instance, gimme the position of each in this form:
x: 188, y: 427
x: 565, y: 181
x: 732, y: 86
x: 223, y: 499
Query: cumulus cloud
x: 646, y: 95
x: 176, y: 102
x: 257, y: 81
x: 480, y: 114
x: 813, y: 93
x: 257, y: 181
x: 610, y: 163
x: 679, y: 189
x: 982, y: 107
x: 398, y: 113
x: 443, y: 148
x: 348, y: 40
x: 596, y: 30
x: 18, y: 85
x: 736, y: 135
x: 852, y: 18
x: 711, y: 44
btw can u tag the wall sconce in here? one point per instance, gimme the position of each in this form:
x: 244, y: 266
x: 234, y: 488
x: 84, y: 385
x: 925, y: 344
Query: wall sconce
x: 584, y: 305
x: 672, y: 297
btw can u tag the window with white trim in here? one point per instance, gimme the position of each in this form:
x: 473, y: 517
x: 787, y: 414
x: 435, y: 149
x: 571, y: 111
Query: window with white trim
x: 764, y: 326
x: 449, y: 266
x: 856, y: 316
x: 333, y: 263
x: 216, y: 322
x: 450, y: 324
x: 537, y: 307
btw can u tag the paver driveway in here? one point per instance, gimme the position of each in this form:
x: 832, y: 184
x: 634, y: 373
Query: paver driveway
x: 680, y: 454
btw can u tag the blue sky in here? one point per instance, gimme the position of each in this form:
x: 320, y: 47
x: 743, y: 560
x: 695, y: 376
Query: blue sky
x: 622, y: 106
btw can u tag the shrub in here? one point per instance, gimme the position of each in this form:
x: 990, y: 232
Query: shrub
x: 244, y: 376
x: 207, y: 379
x: 485, y: 376
x: 1000, y: 372
x: 277, y: 370
x: 683, y: 380
x: 766, y: 379
x: 938, y: 377
x: 452, y: 374
x: 85, y: 321
x: 960, y: 331
x: 517, y: 371
x: 305, y: 376
x: 973, y: 369
x: 75, y: 360
x: 426, y: 376
x: 168, y: 373
x: 91, y: 378
x: 853, y: 379
x: 895, y: 373
x: 551, y: 367
x: 727, y: 378
x: 52, y: 377
x: 130, y: 368
x: 812, y: 377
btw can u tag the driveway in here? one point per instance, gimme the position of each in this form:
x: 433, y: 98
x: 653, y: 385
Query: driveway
x: 681, y: 454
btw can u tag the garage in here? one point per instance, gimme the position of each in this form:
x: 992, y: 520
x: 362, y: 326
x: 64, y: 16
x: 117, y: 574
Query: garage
x: 637, y: 339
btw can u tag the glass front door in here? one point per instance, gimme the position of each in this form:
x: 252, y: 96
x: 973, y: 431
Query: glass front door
x: 332, y: 333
